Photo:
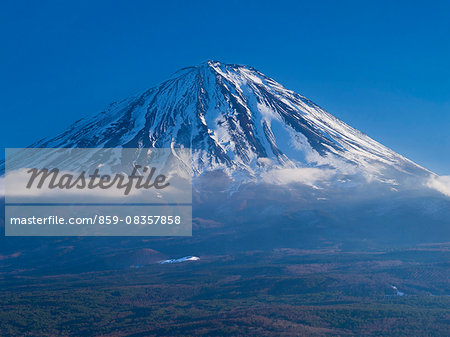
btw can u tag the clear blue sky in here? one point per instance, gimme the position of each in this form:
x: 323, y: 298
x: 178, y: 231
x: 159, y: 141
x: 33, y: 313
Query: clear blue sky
x: 381, y: 66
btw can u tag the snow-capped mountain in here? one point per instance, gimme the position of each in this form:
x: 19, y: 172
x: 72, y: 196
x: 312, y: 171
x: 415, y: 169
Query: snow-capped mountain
x: 348, y: 187
x: 237, y: 120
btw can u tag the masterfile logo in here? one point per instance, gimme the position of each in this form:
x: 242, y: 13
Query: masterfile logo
x: 67, y: 181
x: 100, y: 192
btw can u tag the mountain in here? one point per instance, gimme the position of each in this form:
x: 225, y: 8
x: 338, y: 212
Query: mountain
x: 243, y: 123
x: 298, y: 176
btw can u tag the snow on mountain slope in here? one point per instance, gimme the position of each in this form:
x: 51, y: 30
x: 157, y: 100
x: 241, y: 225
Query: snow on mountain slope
x: 238, y: 120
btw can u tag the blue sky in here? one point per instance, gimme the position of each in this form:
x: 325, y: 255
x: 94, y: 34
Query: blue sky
x: 381, y: 66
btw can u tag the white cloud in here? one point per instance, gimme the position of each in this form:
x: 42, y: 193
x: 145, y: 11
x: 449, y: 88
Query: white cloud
x: 440, y: 183
x: 307, y: 176
x: 2, y: 187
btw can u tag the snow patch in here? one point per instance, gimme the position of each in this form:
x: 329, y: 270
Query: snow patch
x: 183, y: 259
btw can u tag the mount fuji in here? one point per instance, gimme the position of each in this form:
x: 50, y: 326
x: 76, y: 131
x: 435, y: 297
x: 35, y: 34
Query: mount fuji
x: 240, y: 122
x: 271, y: 168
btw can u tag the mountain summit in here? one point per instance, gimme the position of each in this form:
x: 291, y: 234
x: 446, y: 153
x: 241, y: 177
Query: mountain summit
x: 237, y: 120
